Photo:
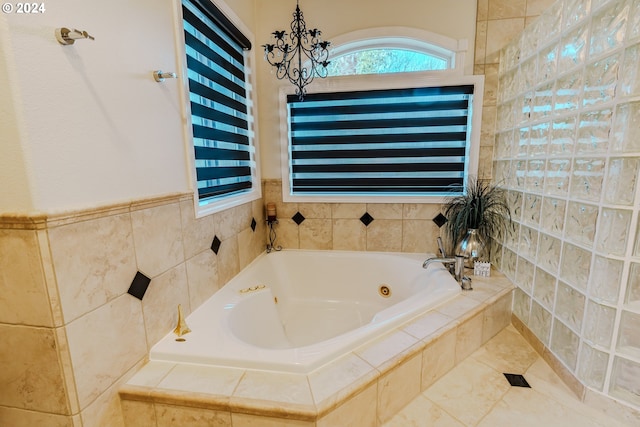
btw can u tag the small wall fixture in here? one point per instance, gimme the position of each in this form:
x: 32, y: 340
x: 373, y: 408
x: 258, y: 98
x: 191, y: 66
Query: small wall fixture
x: 159, y: 76
x: 66, y: 36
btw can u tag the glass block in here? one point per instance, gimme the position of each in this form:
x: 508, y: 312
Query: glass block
x: 552, y: 218
x: 598, y: 324
x: 503, y: 144
x: 622, y: 176
x: 574, y: 12
x: 528, y: 41
x: 544, y: 289
x: 586, y: 182
x: 575, y: 266
x: 562, y: 136
x: 625, y: 135
x: 504, y: 119
x: 581, y: 222
x: 520, y: 171
x: 628, y: 336
x: 556, y: 181
x: 539, y: 139
x: 570, y: 306
x: 528, y: 71
x: 600, y: 81
x: 564, y: 343
x: 524, y: 275
x: 573, y: 49
x: 630, y: 72
x: 624, y: 381
x: 523, y: 134
x: 514, y: 199
x: 633, y: 25
x: 568, y: 92
x: 531, y: 209
x: 525, y: 103
x: 604, y: 282
x: 549, y: 24
x: 593, y: 366
x: 608, y: 28
x: 613, y: 229
x: 502, y: 170
x: 548, y: 252
x: 632, y: 298
x: 528, y: 242
x: 547, y: 62
x: 593, y: 132
x: 636, y: 248
x: 543, y: 101
x: 521, y: 305
x: 511, y: 239
x: 540, y: 322
x: 509, y: 261
x: 512, y: 54
x: 534, y: 180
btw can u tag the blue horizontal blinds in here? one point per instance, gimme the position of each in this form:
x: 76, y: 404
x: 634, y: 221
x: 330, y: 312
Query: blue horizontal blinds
x: 218, y: 98
x: 397, y: 141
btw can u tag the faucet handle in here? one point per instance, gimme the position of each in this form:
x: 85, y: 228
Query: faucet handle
x: 466, y: 283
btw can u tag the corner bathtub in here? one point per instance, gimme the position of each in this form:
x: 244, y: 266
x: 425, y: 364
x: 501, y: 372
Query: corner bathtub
x: 295, y: 310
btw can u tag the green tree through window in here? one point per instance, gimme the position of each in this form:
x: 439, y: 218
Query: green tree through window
x: 382, y: 61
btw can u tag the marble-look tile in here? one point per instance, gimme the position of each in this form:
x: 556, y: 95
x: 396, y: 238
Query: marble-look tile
x: 160, y: 303
x: 287, y: 234
x: 23, y: 293
x: 157, y: 233
x: 349, y: 235
x: 430, y: 325
x: 316, y: 234
x: 117, y: 342
x: 170, y: 416
x: 385, y: 210
x: 507, y: 352
x: 438, y: 358
x: 202, y: 277
x: 490, y: 84
x: 106, y: 410
x: 31, y: 377
x: 315, y: 210
x: 398, y: 387
x: 622, y: 414
x: 488, y: 126
x: 228, y: 260
x: 422, y: 412
x: 359, y: 411
x: 246, y: 420
x: 536, y: 7
x: 251, y: 244
x: 273, y: 194
x: 274, y: 387
x: 348, y: 210
x: 469, y: 337
x: 420, y: 210
x: 499, y: 33
x: 202, y: 379
x: 500, y: 9
x: 197, y: 233
x: 14, y: 417
x: 151, y: 374
x: 94, y: 262
x: 481, y: 43
x: 384, y: 235
x: 469, y: 391
x: 461, y: 308
x: 482, y: 13
x: 386, y: 349
x: 335, y: 381
x: 138, y: 414
x: 497, y: 316
x: 231, y: 221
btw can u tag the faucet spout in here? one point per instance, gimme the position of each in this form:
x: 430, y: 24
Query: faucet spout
x: 182, y: 327
x: 457, y: 262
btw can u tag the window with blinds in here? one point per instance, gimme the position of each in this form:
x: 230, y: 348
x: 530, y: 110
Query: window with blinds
x: 219, y: 101
x: 392, y: 142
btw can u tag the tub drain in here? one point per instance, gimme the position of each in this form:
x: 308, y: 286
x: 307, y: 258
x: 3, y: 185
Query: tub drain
x: 384, y: 291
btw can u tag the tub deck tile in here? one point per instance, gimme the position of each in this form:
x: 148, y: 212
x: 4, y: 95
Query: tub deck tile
x: 430, y: 326
x: 389, y: 350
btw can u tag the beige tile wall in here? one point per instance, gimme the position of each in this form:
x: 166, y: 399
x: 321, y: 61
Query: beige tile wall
x: 70, y: 332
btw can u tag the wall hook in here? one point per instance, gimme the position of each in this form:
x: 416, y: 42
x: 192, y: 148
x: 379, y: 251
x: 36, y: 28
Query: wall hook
x: 159, y: 76
x: 66, y: 36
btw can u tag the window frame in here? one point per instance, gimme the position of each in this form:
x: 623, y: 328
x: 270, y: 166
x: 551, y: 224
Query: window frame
x: 376, y: 82
x: 215, y: 204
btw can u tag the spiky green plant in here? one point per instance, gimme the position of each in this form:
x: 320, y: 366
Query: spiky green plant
x: 483, y: 207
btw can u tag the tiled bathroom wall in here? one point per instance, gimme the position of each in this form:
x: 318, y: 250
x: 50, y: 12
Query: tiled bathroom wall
x: 74, y: 331
x: 566, y: 148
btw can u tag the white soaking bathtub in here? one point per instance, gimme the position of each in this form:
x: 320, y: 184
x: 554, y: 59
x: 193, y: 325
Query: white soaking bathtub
x: 295, y: 310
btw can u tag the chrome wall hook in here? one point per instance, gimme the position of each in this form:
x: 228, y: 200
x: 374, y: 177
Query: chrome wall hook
x: 66, y: 36
x: 159, y: 76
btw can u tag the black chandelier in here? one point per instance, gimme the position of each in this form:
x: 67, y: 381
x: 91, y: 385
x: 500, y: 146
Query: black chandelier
x: 299, y: 56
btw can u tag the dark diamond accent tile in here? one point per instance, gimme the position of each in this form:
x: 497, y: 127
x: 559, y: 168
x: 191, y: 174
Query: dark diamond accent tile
x: 440, y: 220
x: 366, y: 219
x: 517, y: 380
x: 215, y: 245
x: 253, y: 224
x: 298, y: 218
x: 139, y: 285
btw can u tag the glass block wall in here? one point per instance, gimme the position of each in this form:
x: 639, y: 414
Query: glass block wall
x: 567, y: 147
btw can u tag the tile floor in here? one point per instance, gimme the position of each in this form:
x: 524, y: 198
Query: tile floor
x: 476, y: 393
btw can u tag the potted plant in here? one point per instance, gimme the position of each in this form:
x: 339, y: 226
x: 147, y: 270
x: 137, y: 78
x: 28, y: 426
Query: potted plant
x: 475, y: 217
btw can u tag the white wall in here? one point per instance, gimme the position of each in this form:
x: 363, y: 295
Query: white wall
x: 455, y: 19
